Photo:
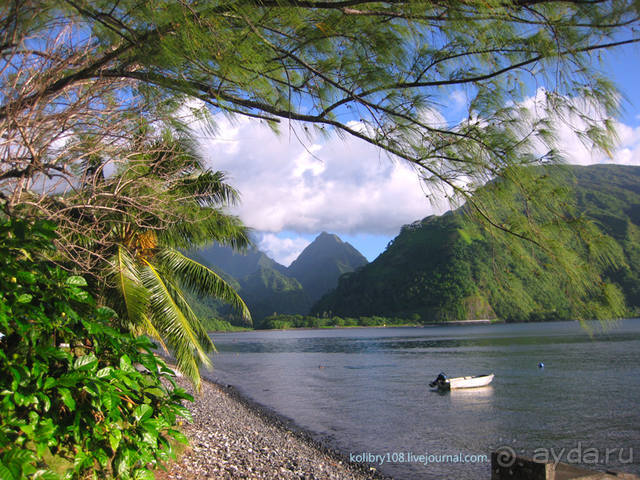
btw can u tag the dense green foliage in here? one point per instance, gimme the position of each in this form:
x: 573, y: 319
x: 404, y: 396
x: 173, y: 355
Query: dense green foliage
x: 160, y: 201
x: 424, y: 271
x: 71, y: 385
x: 283, y: 322
x: 611, y: 196
x: 448, y: 268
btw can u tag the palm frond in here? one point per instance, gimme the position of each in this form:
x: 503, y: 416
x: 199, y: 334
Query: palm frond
x: 203, y: 336
x: 209, y: 188
x: 200, y: 279
x: 173, y: 325
x: 203, y: 226
x: 134, y: 295
x: 150, y: 329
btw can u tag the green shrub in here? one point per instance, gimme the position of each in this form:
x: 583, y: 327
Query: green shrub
x: 350, y: 322
x: 71, y: 386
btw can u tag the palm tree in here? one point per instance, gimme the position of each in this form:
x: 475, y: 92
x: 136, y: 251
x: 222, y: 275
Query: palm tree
x: 151, y: 272
x: 151, y: 276
x: 128, y: 228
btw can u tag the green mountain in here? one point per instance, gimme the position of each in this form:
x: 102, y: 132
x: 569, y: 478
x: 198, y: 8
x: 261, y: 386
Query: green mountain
x: 320, y: 265
x: 441, y: 268
x: 261, y: 282
x: 236, y: 264
x: 268, y: 287
x: 268, y: 291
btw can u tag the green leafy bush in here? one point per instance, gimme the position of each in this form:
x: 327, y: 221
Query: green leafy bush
x: 71, y: 386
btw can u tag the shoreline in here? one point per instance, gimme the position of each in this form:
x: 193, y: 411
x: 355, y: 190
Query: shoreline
x: 233, y: 436
x: 351, y: 327
x: 452, y: 323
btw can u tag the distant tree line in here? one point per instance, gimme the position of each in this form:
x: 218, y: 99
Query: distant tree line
x: 282, y: 322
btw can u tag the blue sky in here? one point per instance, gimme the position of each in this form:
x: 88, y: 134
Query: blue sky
x: 294, y: 186
x: 623, y: 66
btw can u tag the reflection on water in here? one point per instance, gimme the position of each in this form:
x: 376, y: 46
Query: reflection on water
x: 351, y: 344
x: 366, y: 390
x: 470, y: 397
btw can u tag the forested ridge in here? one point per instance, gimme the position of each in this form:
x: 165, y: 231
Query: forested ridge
x: 447, y: 268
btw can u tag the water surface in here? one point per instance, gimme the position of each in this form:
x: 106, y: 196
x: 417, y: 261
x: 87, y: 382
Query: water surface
x: 365, y: 391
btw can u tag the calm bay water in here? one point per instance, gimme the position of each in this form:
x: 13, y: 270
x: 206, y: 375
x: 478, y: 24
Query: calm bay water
x: 365, y: 391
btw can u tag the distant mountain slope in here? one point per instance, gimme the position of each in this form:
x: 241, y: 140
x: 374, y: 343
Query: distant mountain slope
x: 236, y: 264
x: 320, y: 265
x: 421, y: 273
x: 261, y: 282
x: 268, y: 291
x: 438, y: 270
x: 268, y: 287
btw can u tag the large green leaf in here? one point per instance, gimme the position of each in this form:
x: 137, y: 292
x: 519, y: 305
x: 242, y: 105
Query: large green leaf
x: 86, y: 362
x: 142, y: 412
x: 67, y: 398
x: 76, y: 280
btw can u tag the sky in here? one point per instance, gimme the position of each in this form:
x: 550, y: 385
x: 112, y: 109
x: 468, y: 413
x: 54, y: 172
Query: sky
x: 293, y: 186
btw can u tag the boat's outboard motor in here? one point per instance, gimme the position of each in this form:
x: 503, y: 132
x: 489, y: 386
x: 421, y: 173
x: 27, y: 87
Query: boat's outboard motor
x: 440, y: 379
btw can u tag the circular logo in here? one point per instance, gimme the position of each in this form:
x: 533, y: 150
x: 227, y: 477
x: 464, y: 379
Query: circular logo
x: 505, y: 456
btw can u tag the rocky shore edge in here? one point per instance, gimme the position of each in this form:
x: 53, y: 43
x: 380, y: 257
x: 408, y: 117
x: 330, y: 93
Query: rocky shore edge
x: 232, y: 437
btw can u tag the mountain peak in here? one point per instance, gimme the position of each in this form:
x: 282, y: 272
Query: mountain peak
x: 268, y: 287
x: 320, y: 265
x: 325, y: 236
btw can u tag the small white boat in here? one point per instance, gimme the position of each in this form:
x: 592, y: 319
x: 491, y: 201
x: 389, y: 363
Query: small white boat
x: 443, y: 383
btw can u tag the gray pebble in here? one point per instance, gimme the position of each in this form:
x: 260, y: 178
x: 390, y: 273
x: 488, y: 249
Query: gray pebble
x: 230, y: 440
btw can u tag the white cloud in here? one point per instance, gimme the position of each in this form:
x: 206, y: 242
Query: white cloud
x: 339, y: 185
x: 458, y: 100
x: 343, y: 185
x: 628, y: 151
x: 282, y: 250
x: 580, y: 151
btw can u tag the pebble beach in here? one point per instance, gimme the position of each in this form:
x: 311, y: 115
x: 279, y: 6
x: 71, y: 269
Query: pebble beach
x: 232, y: 438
